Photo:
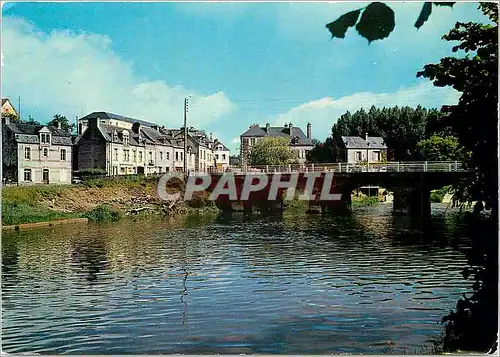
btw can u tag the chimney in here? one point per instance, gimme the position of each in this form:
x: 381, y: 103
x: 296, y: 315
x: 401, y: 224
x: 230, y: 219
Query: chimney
x: 309, y: 130
x: 267, y: 127
x: 93, y: 122
x: 366, y: 136
x: 210, y: 136
x: 291, y: 129
x: 136, y: 127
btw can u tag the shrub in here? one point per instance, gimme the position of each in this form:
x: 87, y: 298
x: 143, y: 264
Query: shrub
x: 103, y: 214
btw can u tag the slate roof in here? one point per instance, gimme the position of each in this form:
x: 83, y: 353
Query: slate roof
x: 224, y: 147
x: 29, y: 133
x: 278, y: 131
x: 106, y: 115
x: 357, y: 142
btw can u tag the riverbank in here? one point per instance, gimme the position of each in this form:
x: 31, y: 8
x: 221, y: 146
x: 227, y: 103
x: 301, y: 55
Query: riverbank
x: 363, y: 201
x: 97, y: 200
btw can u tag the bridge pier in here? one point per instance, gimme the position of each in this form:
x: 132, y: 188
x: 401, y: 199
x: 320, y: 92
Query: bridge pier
x: 412, y: 201
x: 341, y: 207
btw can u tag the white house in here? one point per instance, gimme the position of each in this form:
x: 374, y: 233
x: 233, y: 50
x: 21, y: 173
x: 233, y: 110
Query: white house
x: 222, y: 154
x: 34, y: 153
x: 367, y: 149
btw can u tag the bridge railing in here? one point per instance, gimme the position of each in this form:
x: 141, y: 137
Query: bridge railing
x: 343, y: 167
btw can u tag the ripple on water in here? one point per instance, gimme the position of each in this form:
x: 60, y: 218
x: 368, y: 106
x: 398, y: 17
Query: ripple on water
x: 264, y: 285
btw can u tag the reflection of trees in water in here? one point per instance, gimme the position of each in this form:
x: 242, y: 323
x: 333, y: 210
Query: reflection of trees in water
x: 89, y: 258
x: 271, y: 245
x: 10, y: 261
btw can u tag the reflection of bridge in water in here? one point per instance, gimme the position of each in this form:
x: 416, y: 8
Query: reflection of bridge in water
x: 411, y: 183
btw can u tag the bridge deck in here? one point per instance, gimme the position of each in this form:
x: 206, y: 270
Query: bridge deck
x: 343, y: 167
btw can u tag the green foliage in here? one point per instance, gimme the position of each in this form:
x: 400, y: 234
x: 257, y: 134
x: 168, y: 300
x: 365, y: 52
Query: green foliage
x: 20, y: 204
x: 22, y: 212
x: 10, y: 116
x: 93, y: 172
x: 63, y: 123
x: 272, y: 151
x: 400, y: 127
x: 436, y: 197
x: 377, y: 20
x: 322, y: 152
x: 365, y: 201
x: 473, y: 325
x: 438, y: 148
x: 103, y: 214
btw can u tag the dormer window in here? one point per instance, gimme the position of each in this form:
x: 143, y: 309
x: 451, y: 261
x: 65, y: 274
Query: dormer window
x: 296, y: 140
x: 44, y: 138
x: 115, y: 135
x: 125, y: 138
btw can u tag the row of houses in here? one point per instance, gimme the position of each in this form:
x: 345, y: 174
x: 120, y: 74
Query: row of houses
x: 356, y: 149
x: 34, y: 153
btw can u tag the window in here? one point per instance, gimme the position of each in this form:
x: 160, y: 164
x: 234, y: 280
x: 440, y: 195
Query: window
x: 126, y: 155
x: 376, y: 156
x: 176, y: 156
x: 358, y: 155
x: 27, y: 174
x: 45, y: 175
x: 116, y: 154
x: 252, y: 141
x: 115, y: 136
x: 216, y: 156
x: 223, y: 157
x: 44, y: 138
x: 181, y: 155
x: 134, y: 155
x: 125, y: 138
x: 63, y: 154
x: 168, y: 155
x: 150, y: 156
x: 140, y: 156
x: 161, y: 155
x: 45, y: 152
x: 27, y: 154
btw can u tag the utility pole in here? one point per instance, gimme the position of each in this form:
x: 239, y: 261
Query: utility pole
x: 185, y: 135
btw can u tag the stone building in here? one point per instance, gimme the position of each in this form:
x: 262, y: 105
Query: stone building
x: 123, y: 145
x: 299, y: 142
x: 33, y: 153
x: 367, y: 149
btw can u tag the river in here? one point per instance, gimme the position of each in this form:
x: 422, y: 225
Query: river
x: 297, y: 284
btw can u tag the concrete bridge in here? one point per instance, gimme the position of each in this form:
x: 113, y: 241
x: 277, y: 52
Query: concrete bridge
x: 411, y: 183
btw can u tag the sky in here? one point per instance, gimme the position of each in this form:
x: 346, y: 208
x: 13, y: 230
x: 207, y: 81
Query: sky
x: 239, y: 63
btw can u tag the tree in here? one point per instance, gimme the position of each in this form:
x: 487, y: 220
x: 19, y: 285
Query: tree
x: 62, y: 122
x: 400, y: 127
x: 438, y: 148
x: 272, y: 151
x: 377, y: 20
x: 322, y: 152
x: 10, y: 116
x: 473, y: 326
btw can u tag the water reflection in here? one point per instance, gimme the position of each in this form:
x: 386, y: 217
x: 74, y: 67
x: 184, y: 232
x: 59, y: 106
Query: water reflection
x: 294, y: 284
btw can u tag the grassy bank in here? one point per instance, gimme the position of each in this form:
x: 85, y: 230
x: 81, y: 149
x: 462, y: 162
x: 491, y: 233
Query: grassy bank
x: 362, y: 201
x: 100, y: 199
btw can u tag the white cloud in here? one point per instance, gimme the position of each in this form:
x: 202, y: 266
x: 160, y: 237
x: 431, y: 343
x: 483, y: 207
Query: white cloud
x: 324, y: 112
x: 64, y: 72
